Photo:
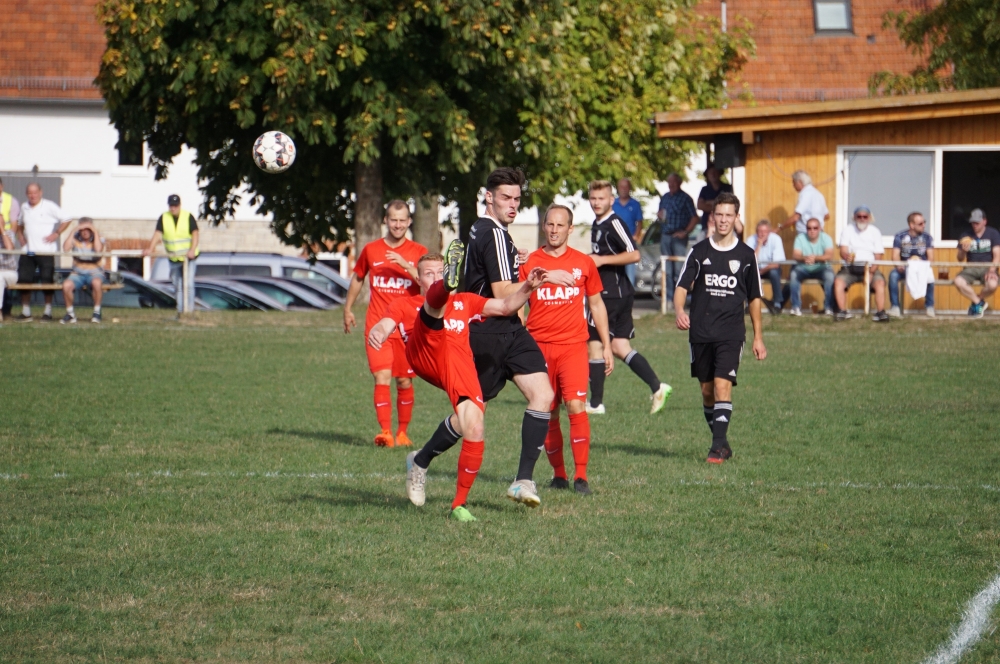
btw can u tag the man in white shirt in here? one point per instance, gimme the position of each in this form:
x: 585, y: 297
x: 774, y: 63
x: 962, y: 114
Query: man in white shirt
x: 811, y: 204
x: 770, y: 252
x: 38, y: 228
x: 860, y: 243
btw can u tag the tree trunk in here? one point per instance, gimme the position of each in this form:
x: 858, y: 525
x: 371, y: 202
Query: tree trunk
x: 541, y: 223
x: 468, y: 205
x: 426, y: 229
x: 368, y: 211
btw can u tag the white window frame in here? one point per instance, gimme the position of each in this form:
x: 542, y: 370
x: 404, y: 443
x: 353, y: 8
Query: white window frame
x: 133, y: 171
x: 849, y: 30
x: 937, y: 186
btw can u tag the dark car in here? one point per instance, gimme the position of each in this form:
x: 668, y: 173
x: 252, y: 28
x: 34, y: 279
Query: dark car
x: 288, y: 292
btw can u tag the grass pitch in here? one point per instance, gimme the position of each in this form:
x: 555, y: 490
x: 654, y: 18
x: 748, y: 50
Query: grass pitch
x: 210, y: 492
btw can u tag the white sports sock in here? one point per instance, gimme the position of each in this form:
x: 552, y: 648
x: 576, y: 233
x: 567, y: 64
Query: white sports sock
x: 97, y: 309
x: 25, y: 309
x: 69, y: 310
x: 48, y: 309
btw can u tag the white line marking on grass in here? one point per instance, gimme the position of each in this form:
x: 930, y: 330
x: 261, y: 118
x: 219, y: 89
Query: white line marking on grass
x: 974, y: 621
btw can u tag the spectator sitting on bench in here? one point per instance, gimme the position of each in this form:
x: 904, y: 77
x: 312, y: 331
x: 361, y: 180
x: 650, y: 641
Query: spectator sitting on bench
x: 982, y: 245
x: 770, y: 253
x: 860, y: 242
x: 87, y: 272
x: 813, y: 250
x: 910, y: 245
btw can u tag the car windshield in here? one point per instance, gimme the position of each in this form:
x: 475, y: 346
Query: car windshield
x: 218, y: 299
x: 652, y: 236
x: 314, y: 277
x: 279, y: 294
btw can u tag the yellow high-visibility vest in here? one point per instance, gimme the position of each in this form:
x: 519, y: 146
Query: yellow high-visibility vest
x: 6, y: 200
x: 177, y: 235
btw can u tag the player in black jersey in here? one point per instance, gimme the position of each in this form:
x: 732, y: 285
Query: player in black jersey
x: 721, y: 274
x: 613, y: 250
x: 501, y: 347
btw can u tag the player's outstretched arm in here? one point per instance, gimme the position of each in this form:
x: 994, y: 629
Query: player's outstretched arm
x: 680, y: 299
x: 600, y: 315
x: 560, y: 278
x: 759, y: 351
x: 380, y: 332
x: 508, y: 305
x: 352, y: 294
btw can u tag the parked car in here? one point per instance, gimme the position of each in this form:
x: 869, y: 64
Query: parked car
x: 237, y: 264
x: 287, y: 291
x: 225, y: 294
x: 311, y: 286
x: 134, y: 294
x: 647, y: 271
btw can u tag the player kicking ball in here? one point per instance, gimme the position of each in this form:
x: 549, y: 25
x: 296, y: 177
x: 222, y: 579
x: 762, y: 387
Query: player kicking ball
x: 389, y: 265
x: 557, y: 321
x: 613, y: 250
x: 435, y: 328
x: 721, y: 274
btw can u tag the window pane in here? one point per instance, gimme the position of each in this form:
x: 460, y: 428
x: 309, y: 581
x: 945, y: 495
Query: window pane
x: 970, y: 182
x: 129, y: 152
x: 211, y: 270
x: 892, y: 185
x: 250, y: 270
x: 832, y: 16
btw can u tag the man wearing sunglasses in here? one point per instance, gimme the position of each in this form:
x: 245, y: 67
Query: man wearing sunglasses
x: 912, y: 244
x: 860, y: 243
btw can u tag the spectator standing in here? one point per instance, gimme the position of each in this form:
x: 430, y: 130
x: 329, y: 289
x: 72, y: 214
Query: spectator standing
x: 811, y: 203
x: 8, y: 264
x: 679, y: 216
x: 706, y: 199
x: 770, y: 252
x: 85, y: 243
x: 911, y: 244
x: 861, y: 242
x: 981, y: 245
x: 10, y: 210
x: 40, y: 223
x: 629, y: 211
x: 179, y: 231
x: 813, y: 251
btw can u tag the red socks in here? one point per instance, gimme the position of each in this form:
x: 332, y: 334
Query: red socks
x: 579, y: 435
x: 383, y: 406
x: 469, y: 461
x: 404, y: 407
x: 437, y: 295
x: 554, y: 446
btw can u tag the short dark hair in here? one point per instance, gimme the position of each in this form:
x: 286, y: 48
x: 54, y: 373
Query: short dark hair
x: 505, y: 175
x: 910, y: 217
x: 397, y: 204
x: 556, y: 206
x: 725, y: 198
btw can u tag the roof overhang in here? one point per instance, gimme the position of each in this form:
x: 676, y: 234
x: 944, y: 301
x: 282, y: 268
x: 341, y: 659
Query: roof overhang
x: 705, y: 124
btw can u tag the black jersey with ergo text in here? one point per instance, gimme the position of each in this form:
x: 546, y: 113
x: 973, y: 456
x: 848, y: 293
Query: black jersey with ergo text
x: 720, y: 281
x: 490, y: 257
x: 608, y: 238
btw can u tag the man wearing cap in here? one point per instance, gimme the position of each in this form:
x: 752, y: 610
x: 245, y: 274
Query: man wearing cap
x: 980, y: 246
x: 860, y: 242
x: 179, y: 231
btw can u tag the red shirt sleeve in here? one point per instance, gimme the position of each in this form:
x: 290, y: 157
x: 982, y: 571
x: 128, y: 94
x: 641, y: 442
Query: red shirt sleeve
x: 523, y: 270
x: 594, y: 285
x: 395, y: 309
x: 474, y: 304
x: 361, y: 267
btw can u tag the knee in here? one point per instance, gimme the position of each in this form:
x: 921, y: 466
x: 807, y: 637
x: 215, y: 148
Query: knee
x: 573, y: 407
x: 404, y: 383
x: 961, y: 282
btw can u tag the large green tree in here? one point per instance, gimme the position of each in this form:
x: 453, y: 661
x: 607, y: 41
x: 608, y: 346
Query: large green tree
x: 958, y: 41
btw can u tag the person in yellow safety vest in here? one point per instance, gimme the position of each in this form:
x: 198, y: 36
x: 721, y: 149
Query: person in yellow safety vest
x: 10, y: 210
x: 179, y: 231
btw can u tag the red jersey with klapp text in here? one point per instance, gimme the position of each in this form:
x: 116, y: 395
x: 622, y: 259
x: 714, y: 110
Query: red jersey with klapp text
x: 460, y: 309
x: 388, y: 281
x: 556, y: 314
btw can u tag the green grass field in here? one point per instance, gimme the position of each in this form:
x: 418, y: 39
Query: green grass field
x: 209, y: 491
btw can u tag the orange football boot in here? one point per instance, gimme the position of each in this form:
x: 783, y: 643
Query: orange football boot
x: 402, y: 440
x: 384, y: 439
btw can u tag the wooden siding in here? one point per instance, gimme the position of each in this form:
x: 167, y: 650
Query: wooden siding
x: 771, y: 162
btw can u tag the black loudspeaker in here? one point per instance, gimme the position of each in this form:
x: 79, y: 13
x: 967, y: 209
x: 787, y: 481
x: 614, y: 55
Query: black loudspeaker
x: 729, y: 151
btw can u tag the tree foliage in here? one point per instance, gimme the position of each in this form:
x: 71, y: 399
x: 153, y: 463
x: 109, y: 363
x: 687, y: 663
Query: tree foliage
x: 960, y: 41
x: 427, y: 94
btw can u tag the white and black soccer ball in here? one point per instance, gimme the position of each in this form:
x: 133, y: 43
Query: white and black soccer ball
x: 273, y: 152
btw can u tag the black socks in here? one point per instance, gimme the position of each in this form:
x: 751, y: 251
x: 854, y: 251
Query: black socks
x: 709, y: 415
x: 597, y: 383
x: 640, y: 366
x: 721, y: 416
x: 534, y: 429
x: 444, y: 439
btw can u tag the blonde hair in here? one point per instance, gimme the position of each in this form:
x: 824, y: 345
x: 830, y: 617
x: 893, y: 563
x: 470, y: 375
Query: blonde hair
x: 599, y: 184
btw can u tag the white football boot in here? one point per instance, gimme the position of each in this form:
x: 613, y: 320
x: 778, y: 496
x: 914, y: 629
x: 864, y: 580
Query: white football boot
x: 524, y: 492
x: 416, y: 477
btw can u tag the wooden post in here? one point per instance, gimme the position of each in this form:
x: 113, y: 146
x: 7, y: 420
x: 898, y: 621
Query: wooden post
x: 663, y: 285
x: 868, y: 284
x: 185, y: 276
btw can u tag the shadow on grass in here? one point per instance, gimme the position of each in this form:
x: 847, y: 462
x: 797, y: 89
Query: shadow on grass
x: 324, y: 436
x: 637, y: 450
x: 343, y: 496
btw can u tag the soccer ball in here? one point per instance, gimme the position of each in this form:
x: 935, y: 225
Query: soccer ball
x: 273, y: 152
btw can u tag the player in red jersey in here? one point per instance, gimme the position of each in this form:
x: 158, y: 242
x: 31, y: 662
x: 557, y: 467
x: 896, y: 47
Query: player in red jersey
x: 557, y: 320
x: 436, y: 332
x: 390, y: 264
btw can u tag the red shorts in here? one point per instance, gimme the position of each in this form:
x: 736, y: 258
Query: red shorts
x: 569, y: 370
x: 392, y: 355
x: 445, y: 365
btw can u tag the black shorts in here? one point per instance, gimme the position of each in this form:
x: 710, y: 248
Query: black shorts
x: 720, y: 359
x: 499, y: 357
x: 26, y: 269
x: 619, y: 319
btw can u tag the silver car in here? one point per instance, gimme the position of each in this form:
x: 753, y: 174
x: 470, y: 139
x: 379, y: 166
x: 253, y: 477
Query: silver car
x: 647, y: 271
